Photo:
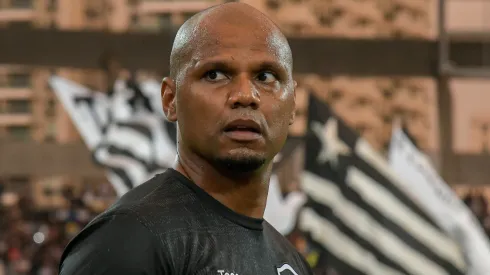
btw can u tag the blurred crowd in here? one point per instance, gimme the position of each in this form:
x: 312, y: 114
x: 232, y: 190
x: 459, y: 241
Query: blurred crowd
x: 32, y: 240
x: 479, y: 205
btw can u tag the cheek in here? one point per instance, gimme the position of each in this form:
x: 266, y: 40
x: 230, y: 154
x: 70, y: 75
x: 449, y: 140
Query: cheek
x: 199, y: 111
x: 279, y: 117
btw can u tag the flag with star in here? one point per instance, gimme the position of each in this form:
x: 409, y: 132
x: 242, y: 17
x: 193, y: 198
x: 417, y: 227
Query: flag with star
x: 358, y: 215
x: 124, y: 128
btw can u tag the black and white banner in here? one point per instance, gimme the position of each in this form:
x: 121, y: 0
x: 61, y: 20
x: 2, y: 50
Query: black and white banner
x: 442, y: 203
x: 125, y: 129
x: 358, y: 213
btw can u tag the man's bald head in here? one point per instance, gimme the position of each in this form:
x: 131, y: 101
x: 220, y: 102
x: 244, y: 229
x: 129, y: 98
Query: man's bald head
x: 230, y: 64
x: 202, y: 27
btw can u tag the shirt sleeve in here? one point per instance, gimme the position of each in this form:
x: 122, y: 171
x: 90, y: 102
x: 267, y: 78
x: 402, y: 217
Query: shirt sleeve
x: 118, y: 244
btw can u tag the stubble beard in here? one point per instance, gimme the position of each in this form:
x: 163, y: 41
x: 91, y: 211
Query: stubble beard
x: 241, y: 164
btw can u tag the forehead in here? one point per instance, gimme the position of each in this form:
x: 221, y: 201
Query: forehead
x: 244, y: 41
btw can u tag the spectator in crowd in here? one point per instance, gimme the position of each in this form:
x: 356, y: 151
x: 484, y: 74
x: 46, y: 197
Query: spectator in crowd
x: 31, y: 241
x: 478, y: 204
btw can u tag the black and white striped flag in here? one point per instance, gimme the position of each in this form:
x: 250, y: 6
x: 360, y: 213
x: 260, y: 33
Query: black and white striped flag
x: 357, y: 214
x: 444, y: 205
x: 125, y: 129
x: 138, y: 142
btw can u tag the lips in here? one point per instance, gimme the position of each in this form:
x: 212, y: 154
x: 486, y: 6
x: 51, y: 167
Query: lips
x: 243, y: 126
x: 242, y: 130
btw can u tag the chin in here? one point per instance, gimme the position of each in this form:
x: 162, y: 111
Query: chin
x: 241, y: 161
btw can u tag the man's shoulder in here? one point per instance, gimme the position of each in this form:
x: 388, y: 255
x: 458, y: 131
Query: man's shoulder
x: 164, y: 205
x: 163, y: 196
x: 161, y: 187
x: 136, y: 224
x: 116, y: 241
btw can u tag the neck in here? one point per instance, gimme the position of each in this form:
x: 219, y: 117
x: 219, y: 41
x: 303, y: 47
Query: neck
x: 244, y: 194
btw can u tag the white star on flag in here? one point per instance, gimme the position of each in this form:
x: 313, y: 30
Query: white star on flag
x: 332, y: 146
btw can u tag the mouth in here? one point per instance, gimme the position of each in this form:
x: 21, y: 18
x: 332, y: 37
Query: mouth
x: 243, y: 130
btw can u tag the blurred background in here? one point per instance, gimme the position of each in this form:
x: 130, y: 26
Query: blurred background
x: 374, y: 61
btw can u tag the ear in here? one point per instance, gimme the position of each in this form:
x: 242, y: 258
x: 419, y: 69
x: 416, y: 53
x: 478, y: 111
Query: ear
x: 293, y: 113
x: 169, y: 98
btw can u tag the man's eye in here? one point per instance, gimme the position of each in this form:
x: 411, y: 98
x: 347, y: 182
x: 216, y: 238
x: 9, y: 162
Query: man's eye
x: 266, y: 77
x: 214, y: 76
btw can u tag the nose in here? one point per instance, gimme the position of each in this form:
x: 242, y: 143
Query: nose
x: 243, y: 94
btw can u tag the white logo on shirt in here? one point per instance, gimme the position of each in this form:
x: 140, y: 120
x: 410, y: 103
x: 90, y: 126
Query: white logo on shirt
x: 222, y: 272
x: 284, y: 268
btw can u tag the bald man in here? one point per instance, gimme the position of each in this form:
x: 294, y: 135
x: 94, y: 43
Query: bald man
x: 232, y: 95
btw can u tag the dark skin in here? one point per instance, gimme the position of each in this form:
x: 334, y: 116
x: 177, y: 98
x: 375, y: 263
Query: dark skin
x: 218, y: 79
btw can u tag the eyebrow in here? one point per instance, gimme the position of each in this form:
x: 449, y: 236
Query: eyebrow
x: 220, y: 65
x: 275, y: 66
x: 226, y: 66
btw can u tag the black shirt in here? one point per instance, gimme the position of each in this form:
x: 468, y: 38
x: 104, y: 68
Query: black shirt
x: 169, y: 225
